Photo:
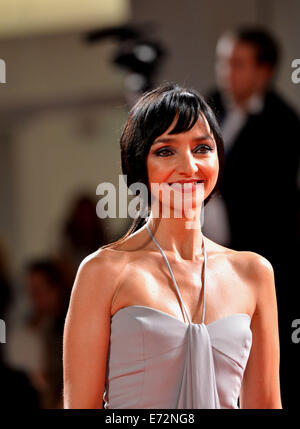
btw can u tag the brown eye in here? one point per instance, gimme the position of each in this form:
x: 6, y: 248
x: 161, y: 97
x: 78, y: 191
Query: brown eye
x: 163, y: 152
x: 204, y: 148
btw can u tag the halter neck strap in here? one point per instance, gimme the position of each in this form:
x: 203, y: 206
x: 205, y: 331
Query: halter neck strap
x: 173, y: 278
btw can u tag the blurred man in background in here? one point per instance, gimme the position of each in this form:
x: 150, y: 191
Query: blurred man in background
x: 259, y: 202
x: 17, y: 390
x: 35, y: 343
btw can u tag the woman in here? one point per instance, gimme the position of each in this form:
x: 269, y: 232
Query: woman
x: 165, y: 317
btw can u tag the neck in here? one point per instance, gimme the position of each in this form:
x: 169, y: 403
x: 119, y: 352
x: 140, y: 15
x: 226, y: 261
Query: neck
x: 182, y: 236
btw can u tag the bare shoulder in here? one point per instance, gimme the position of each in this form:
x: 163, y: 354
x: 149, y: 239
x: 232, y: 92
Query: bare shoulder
x: 250, y: 262
x: 99, y: 273
x: 105, y: 260
x: 255, y: 267
x: 260, y: 274
x: 256, y: 270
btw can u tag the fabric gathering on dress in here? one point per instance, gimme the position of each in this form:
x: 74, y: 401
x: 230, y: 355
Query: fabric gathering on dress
x: 156, y: 361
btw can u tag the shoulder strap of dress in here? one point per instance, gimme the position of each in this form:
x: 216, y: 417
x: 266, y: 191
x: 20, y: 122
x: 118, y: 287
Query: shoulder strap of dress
x: 173, y: 278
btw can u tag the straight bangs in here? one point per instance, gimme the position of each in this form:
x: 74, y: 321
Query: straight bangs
x: 182, y: 106
x: 156, y: 116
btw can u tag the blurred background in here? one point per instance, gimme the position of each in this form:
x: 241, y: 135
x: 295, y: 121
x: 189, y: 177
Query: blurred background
x: 72, y: 70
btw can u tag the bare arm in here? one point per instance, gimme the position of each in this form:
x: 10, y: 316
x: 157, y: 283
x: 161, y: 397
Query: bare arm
x: 87, y: 333
x: 261, y: 386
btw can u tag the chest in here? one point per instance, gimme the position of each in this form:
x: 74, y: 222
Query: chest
x: 151, y: 284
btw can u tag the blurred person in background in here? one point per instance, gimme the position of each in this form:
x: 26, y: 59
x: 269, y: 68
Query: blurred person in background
x: 16, y: 388
x: 35, y: 345
x: 82, y: 234
x: 261, y: 136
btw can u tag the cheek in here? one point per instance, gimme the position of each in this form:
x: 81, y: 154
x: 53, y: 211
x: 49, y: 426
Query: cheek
x: 247, y: 77
x: 157, y: 170
x: 213, y: 171
x: 240, y: 76
x: 153, y: 172
x: 213, y: 165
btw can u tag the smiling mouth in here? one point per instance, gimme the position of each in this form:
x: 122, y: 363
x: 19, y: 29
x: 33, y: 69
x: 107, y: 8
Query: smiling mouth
x: 183, y: 183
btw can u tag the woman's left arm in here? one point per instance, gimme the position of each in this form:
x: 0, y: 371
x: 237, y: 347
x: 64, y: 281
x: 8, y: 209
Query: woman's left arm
x: 261, y: 384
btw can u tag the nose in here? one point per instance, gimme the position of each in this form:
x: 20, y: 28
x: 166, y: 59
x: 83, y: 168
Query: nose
x: 187, y: 164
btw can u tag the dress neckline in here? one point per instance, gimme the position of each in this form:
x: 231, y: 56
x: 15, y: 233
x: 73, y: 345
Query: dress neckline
x: 168, y: 315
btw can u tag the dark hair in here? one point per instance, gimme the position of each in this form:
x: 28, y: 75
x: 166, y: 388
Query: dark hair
x: 267, y: 48
x: 151, y: 116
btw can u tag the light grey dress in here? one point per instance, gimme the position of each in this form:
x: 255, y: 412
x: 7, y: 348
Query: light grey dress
x: 156, y: 361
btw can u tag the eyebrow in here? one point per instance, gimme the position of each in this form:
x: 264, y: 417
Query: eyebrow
x: 174, y: 139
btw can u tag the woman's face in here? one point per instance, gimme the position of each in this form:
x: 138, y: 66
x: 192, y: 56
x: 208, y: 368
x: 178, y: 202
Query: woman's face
x: 178, y: 158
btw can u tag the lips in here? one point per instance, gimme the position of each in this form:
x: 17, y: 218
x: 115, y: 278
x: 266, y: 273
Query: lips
x: 189, y: 186
x: 187, y: 182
